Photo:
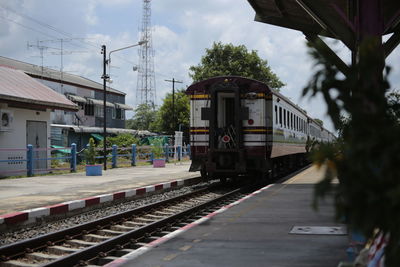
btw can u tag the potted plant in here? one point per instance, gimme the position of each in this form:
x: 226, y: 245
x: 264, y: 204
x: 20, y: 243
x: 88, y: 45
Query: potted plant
x: 92, y: 169
x: 158, y: 154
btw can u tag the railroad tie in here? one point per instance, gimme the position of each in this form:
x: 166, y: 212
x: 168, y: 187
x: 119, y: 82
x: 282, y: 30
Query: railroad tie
x: 76, y: 243
x: 95, y: 238
x: 59, y: 250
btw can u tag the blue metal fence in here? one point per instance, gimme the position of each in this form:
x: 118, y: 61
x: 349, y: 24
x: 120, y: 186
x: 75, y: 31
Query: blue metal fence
x: 132, y: 155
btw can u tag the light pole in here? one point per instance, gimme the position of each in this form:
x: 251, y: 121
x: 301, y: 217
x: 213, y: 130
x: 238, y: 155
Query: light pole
x: 173, y: 81
x: 105, y: 78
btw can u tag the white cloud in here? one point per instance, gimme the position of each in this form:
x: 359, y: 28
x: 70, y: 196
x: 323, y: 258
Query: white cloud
x: 90, y: 16
x: 182, y: 32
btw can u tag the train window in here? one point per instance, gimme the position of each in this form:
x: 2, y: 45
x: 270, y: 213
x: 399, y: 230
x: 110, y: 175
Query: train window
x: 276, y: 114
x: 294, y: 122
x: 298, y: 124
x: 287, y: 118
x: 291, y: 120
x: 284, y: 117
x: 280, y: 115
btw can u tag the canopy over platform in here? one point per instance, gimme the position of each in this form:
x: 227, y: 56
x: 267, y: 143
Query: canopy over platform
x: 346, y: 20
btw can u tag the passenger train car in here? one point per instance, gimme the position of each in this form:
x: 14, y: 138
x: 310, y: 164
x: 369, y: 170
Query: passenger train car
x: 240, y: 126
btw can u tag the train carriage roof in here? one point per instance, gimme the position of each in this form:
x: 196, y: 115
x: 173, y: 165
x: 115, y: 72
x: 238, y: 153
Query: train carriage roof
x: 245, y: 84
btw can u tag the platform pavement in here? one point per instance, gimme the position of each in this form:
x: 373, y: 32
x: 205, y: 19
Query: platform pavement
x: 33, y: 192
x: 254, y: 232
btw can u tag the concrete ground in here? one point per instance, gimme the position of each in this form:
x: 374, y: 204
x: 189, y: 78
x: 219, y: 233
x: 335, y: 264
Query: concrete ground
x: 256, y: 233
x: 32, y: 192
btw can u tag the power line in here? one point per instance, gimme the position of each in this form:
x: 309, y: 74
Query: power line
x: 43, y: 24
x: 61, y: 32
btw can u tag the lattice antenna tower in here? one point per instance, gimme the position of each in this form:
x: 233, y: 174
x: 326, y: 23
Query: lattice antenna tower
x: 146, y: 82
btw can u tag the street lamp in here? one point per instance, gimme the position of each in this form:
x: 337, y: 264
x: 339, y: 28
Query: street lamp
x: 106, y: 78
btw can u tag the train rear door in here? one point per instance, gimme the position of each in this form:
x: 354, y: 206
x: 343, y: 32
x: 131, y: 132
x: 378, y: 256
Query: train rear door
x: 226, y: 136
x: 226, y: 117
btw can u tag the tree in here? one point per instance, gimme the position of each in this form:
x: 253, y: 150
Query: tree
x: 234, y: 60
x: 320, y: 122
x: 366, y: 157
x: 144, y: 116
x: 394, y: 105
x: 125, y: 140
x: 164, y: 122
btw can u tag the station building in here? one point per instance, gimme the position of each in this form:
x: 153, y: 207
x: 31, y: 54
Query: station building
x: 25, y: 111
x: 77, y: 126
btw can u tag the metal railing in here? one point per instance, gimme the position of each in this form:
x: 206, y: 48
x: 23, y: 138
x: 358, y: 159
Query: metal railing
x: 119, y: 156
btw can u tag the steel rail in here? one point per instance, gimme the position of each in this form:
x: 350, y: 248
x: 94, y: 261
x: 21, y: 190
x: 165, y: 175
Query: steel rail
x: 111, y: 244
x: 20, y: 248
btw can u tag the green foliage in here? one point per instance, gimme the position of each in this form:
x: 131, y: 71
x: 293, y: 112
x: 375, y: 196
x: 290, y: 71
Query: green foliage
x: 90, y: 153
x: 320, y: 122
x: 121, y: 140
x: 157, y: 148
x: 366, y: 157
x: 164, y: 122
x: 144, y: 116
x: 228, y: 59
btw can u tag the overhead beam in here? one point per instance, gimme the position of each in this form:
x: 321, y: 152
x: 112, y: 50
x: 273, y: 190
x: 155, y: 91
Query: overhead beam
x: 391, y: 43
x: 323, y: 16
x: 290, y: 24
x: 327, y: 52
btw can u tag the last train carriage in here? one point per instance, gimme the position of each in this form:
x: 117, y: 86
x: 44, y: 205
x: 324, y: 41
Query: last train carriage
x: 240, y: 126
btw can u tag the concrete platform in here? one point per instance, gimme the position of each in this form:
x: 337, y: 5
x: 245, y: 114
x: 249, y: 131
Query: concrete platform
x: 55, y: 194
x: 254, y: 233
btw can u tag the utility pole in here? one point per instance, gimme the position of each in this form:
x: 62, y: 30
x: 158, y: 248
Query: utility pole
x: 62, y: 53
x: 173, y: 81
x: 41, y: 49
x: 105, y: 78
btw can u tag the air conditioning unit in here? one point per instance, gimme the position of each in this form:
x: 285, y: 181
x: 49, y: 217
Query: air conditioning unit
x: 6, y: 120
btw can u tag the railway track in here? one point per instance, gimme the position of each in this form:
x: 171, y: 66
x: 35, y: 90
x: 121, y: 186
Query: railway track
x: 102, y: 241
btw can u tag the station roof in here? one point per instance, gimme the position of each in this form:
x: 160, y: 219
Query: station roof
x: 21, y: 90
x: 324, y: 17
x: 55, y: 75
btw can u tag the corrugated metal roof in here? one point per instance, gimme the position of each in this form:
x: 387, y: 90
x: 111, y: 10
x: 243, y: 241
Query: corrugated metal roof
x: 77, y: 98
x: 51, y: 74
x: 99, y: 102
x: 99, y: 130
x: 17, y: 86
x: 123, y: 106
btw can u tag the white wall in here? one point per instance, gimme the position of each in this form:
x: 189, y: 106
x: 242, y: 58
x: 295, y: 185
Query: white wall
x: 16, y: 137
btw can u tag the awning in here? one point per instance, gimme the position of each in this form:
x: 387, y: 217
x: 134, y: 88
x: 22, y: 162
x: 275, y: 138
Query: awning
x: 98, y: 137
x: 123, y: 106
x: 99, y: 102
x: 62, y: 149
x: 77, y: 98
x: 99, y: 130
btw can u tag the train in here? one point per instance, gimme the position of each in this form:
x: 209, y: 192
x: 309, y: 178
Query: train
x: 241, y: 127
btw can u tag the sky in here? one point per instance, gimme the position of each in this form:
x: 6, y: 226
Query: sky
x: 181, y: 31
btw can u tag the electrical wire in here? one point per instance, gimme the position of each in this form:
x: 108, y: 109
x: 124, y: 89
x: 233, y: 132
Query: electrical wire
x: 61, y: 32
